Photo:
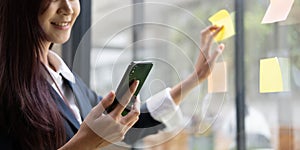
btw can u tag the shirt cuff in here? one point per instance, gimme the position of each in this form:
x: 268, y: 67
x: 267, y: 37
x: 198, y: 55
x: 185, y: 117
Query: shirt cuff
x: 163, y: 109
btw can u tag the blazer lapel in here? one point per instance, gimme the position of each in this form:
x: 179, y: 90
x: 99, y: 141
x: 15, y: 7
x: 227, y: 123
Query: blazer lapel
x: 64, y: 109
x: 81, y: 99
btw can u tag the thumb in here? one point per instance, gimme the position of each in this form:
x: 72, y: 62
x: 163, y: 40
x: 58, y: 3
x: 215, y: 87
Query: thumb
x: 104, y: 103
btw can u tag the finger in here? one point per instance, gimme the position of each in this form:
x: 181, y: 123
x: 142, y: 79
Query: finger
x: 210, y: 33
x: 130, y: 122
x: 127, y: 127
x: 105, y: 102
x: 134, y: 113
x: 132, y: 117
x: 211, y: 37
x: 205, y: 32
x: 217, y: 31
x: 209, y: 29
x: 217, y: 53
x: 125, y: 99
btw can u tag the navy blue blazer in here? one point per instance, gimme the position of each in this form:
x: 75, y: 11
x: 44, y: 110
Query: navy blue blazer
x: 86, y: 99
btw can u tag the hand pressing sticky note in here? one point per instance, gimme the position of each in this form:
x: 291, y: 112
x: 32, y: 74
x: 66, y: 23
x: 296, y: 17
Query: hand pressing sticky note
x: 217, y: 80
x: 278, y: 10
x: 223, y: 18
x: 274, y: 75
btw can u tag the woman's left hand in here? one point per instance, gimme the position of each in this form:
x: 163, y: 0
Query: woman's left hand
x: 206, y: 60
x: 203, y: 66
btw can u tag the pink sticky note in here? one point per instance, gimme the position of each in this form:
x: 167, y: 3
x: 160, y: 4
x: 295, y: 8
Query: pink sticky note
x: 278, y: 10
x: 217, y: 80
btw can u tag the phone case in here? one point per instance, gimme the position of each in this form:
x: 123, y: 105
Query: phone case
x: 137, y: 70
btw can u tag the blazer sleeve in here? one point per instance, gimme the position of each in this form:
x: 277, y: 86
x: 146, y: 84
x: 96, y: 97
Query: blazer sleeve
x: 146, y: 125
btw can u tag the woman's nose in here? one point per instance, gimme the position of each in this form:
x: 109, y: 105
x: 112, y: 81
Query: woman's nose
x: 65, y: 8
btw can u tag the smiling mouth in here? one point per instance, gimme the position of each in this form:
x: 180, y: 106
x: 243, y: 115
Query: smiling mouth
x: 61, y: 24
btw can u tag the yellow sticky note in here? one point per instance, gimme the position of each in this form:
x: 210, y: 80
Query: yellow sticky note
x: 217, y: 80
x: 274, y: 75
x: 278, y: 10
x: 223, y: 18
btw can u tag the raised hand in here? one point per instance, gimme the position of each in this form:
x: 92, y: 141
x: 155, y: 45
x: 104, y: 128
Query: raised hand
x: 206, y: 60
x: 203, y: 66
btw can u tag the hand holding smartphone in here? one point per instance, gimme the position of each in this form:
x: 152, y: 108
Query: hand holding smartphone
x: 137, y: 70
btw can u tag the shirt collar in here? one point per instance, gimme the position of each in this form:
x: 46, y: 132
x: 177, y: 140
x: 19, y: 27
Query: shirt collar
x: 60, y: 66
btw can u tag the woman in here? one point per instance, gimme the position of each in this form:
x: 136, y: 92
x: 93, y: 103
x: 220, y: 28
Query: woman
x: 42, y: 103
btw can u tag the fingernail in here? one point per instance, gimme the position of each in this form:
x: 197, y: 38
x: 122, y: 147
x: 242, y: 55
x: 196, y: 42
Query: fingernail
x: 222, y: 46
x: 111, y: 94
x: 137, y: 82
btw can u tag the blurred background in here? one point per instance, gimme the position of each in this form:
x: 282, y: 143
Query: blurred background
x: 110, y: 34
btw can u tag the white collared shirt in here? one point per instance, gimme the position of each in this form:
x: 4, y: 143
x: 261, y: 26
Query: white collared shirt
x: 63, y: 70
x: 161, y: 106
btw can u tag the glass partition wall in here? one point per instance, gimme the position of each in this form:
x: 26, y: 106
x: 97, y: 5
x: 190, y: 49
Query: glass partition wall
x: 168, y: 33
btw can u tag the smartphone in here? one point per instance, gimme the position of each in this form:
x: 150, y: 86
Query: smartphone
x: 136, y: 70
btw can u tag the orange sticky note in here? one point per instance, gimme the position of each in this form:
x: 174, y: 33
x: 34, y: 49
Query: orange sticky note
x: 223, y: 18
x: 274, y: 75
x: 217, y: 80
x: 278, y: 10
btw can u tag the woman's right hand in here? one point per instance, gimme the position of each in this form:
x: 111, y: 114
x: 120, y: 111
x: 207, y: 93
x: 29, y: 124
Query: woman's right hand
x: 99, y: 129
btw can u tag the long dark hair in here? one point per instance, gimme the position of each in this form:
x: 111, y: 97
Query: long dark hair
x: 28, y: 114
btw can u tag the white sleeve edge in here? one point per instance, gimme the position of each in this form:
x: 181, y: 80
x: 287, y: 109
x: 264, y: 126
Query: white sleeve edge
x: 162, y: 108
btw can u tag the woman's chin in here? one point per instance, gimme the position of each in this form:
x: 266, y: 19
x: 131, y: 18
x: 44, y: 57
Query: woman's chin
x: 60, y: 41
